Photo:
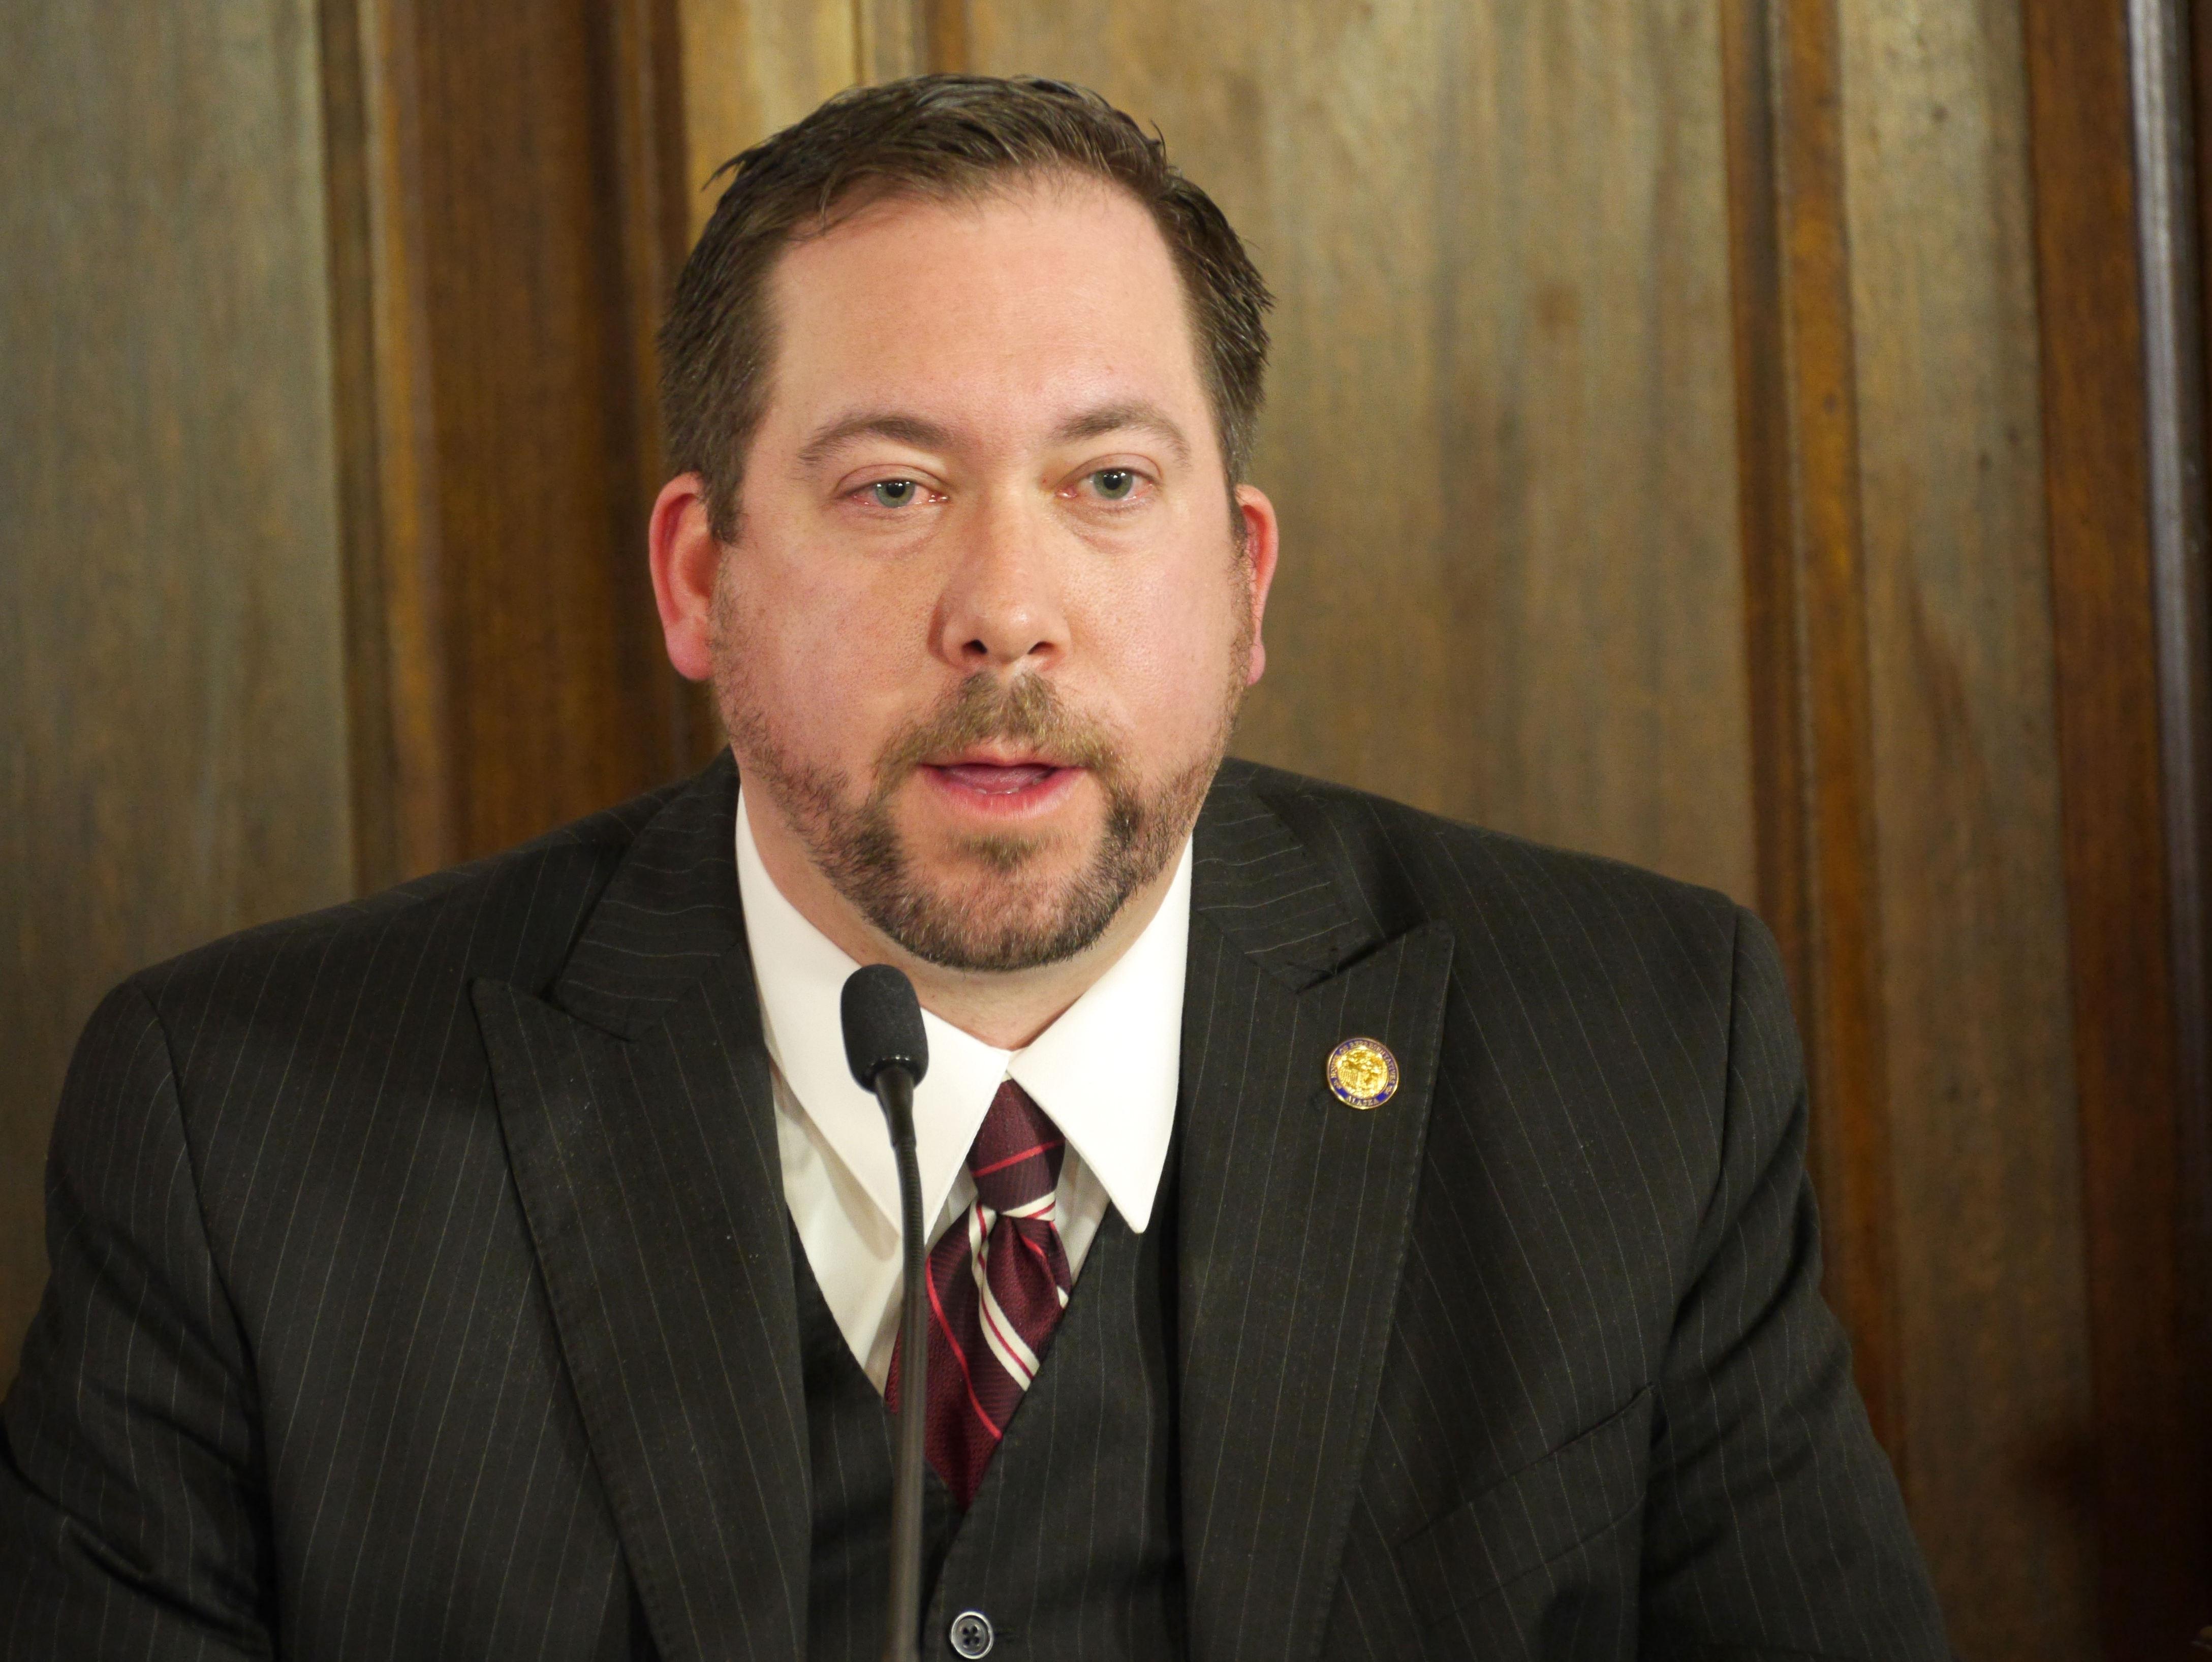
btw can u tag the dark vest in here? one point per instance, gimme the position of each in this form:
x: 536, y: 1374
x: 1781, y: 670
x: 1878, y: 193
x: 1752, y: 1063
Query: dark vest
x: 1073, y: 1548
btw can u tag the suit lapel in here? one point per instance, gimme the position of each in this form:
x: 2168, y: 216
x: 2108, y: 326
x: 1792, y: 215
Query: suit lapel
x: 1294, y: 1215
x: 634, y: 1099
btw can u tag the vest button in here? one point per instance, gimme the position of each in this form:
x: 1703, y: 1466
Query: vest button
x: 972, y: 1634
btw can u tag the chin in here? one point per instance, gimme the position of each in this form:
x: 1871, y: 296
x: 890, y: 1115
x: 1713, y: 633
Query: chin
x: 1002, y: 909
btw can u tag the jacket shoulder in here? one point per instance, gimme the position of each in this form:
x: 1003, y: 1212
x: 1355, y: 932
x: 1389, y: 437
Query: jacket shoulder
x: 513, y: 915
x: 1406, y: 866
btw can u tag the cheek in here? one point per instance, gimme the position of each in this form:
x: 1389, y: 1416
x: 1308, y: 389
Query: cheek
x: 1166, y: 648
x: 824, y: 658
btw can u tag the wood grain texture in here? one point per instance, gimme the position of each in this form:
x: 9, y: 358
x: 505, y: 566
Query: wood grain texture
x: 947, y: 36
x: 651, y: 201
x: 2152, y: 1479
x: 753, y: 66
x: 749, y: 67
x: 172, y: 717
x: 1805, y: 626
x: 1766, y: 488
x: 2195, y: 1126
x: 515, y: 249
x: 1500, y: 427
x: 1990, y: 1235
x: 548, y: 619
x: 399, y: 698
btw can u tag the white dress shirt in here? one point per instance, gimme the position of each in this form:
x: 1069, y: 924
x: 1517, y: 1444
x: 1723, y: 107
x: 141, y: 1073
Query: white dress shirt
x: 1105, y: 1070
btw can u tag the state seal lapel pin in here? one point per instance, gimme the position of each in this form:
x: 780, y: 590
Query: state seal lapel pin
x: 1362, y: 1073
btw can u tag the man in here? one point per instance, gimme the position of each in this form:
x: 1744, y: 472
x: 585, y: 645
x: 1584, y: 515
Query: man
x: 1357, y: 1235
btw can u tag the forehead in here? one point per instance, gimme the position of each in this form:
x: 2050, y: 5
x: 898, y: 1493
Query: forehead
x: 1015, y: 301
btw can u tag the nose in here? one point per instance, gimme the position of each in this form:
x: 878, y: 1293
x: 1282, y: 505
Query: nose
x: 1001, y: 607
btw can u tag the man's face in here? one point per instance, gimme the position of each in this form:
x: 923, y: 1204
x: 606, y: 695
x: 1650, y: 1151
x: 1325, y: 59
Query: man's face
x: 986, y: 621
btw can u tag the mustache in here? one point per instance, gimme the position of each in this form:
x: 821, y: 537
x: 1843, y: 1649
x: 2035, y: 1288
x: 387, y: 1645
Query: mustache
x: 1029, y: 710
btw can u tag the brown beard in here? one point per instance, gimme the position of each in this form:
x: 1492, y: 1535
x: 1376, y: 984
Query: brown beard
x: 1007, y: 915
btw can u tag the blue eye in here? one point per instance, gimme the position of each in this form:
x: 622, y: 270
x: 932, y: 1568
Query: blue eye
x: 1114, y: 484
x: 893, y: 493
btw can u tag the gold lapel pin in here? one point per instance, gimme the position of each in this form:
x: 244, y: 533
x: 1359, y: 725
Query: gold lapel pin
x: 1362, y: 1073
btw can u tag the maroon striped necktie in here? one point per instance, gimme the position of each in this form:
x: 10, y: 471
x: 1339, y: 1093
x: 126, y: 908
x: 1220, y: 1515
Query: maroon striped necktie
x: 998, y: 1282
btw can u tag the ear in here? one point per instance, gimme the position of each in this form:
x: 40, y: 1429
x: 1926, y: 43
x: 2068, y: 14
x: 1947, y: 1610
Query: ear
x: 686, y: 558
x: 1263, y: 543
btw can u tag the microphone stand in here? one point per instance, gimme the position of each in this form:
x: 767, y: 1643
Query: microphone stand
x: 894, y: 1087
x: 888, y: 1050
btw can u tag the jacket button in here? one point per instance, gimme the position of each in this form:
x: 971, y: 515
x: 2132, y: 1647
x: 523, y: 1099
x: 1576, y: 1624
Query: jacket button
x: 972, y: 1634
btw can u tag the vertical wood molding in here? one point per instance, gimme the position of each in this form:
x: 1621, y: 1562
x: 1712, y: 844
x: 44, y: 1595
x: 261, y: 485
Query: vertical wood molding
x: 2170, y: 139
x: 651, y: 165
x: 948, y: 42
x: 2171, y: 234
x: 647, y: 75
x: 890, y: 39
x: 397, y: 703
x: 2114, y: 674
x: 1764, y: 477
x: 1806, y: 637
x: 2196, y: 1127
x: 507, y: 213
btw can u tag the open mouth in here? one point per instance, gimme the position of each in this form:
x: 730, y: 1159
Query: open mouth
x: 983, y: 784
x: 998, y: 779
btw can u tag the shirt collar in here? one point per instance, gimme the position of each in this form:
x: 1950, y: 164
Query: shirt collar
x: 1107, y: 1071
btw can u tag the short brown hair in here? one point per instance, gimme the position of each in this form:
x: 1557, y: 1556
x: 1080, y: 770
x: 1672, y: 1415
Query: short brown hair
x: 933, y: 135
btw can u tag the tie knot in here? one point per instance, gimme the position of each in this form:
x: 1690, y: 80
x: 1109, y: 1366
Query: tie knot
x: 1015, y: 1160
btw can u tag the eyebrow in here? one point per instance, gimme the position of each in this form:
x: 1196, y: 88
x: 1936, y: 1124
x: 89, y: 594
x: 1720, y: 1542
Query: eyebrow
x: 879, y: 424
x: 1137, y: 415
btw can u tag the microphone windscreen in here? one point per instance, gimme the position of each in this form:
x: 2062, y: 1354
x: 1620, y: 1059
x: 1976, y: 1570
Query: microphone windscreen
x: 883, y: 1025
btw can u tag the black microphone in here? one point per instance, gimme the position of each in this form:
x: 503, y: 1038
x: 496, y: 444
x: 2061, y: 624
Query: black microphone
x: 889, y: 1053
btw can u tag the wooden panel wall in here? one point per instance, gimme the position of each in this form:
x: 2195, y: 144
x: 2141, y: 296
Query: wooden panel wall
x: 1805, y: 639
x: 1990, y: 1318
x: 1956, y: 462
x: 2147, y: 1293
x: 750, y: 69
x: 506, y: 185
x: 173, y: 720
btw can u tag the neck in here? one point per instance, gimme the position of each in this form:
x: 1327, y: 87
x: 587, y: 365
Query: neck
x: 1005, y: 1009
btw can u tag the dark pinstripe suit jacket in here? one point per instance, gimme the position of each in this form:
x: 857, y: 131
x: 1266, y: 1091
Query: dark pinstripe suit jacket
x: 421, y: 1283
